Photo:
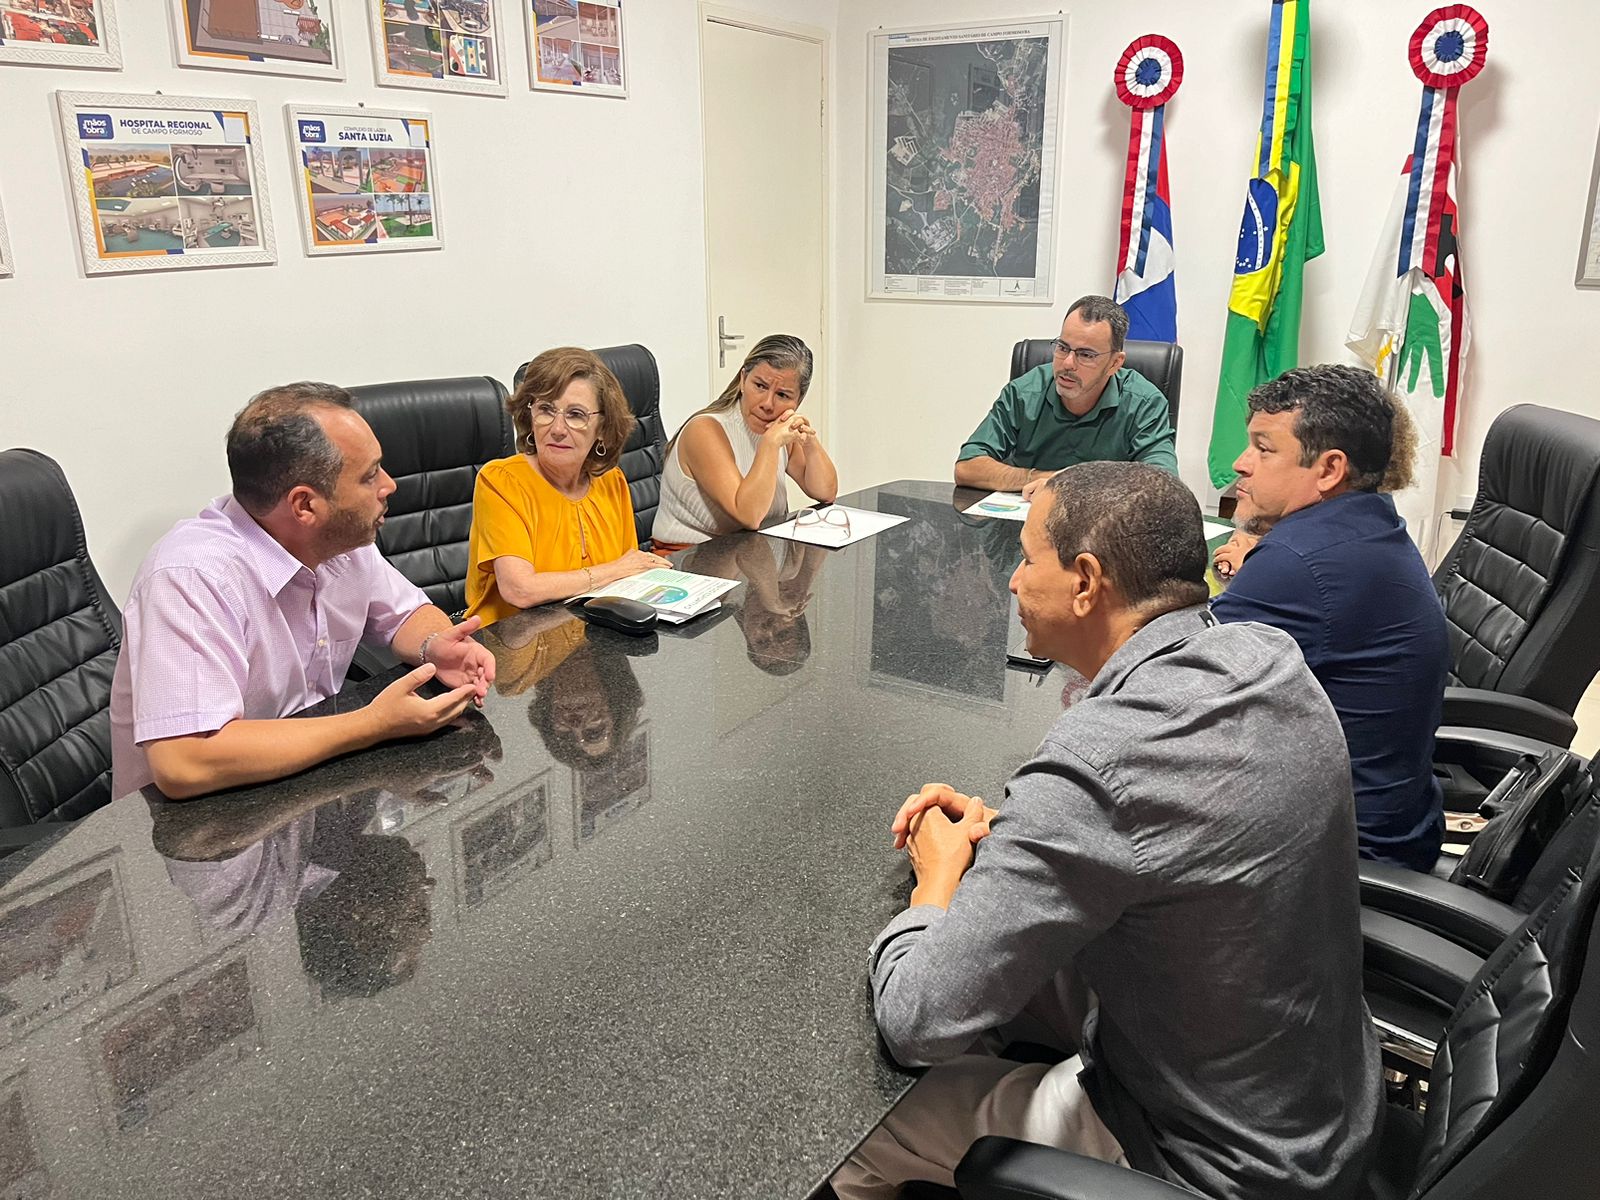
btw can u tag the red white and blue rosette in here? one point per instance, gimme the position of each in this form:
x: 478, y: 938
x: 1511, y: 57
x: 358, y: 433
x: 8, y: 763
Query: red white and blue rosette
x: 1146, y: 77
x: 1149, y: 71
x: 1450, y: 47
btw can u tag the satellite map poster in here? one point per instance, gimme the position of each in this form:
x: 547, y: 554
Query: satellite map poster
x: 963, y: 146
x: 165, y: 182
x: 366, y: 179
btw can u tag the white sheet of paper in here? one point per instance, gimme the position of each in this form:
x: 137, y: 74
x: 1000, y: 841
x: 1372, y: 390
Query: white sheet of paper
x: 675, y: 595
x: 1217, y: 529
x: 1008, y: 506
x: 863, y: 524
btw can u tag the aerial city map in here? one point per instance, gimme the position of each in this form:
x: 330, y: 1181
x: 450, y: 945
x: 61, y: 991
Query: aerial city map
x: 964, y: 160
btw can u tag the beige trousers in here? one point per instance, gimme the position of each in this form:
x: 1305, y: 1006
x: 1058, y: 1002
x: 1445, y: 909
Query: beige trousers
x: 959, y: 1101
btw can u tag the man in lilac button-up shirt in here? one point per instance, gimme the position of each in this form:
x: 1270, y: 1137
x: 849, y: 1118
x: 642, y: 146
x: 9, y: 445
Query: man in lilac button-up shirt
x: 253, y: 610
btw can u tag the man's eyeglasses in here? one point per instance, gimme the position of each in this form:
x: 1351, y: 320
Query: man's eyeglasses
x: 577, y: 419
x: 834, y: 520
x: 1086, y: 358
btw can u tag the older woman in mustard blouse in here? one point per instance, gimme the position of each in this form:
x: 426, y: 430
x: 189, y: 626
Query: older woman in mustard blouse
x: 555, y: 520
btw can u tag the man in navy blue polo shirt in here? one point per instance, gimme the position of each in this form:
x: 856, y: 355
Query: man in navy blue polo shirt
x: 1337, y: 571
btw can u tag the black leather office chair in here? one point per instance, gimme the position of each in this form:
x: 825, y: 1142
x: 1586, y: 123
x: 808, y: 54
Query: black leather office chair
x: 59, y: 638
x: 1521, y: 585
x: 1425, y: 938
x: 646, y: 452
x: 436, y: 434
x: 1159, y: 362
x: 1511, y: 1095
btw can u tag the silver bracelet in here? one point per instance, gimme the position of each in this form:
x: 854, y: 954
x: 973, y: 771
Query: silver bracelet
x: 423, y: 651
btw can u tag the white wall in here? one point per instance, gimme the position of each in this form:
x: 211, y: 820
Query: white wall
x: 916, y: 377
x: 567, y: 219
x: 130, y: 381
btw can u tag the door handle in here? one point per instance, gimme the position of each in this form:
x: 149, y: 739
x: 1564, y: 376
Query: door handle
x: 724, y: 339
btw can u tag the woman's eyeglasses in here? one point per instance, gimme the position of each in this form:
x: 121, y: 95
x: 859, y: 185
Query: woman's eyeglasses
x: 577, y: 419
x: 833, y: 520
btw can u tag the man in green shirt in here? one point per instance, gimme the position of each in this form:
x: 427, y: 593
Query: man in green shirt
x: 1081, y: 406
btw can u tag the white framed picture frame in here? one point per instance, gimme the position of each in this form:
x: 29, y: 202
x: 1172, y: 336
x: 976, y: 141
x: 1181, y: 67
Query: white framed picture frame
x: 366, y: 179
x: 66, y: 33
x: 438, y: 45
x: 289, y: 37
x: 165, y: 183
x: 931, y: 230
x: 576, y: 46
x: 1589, y: 254
x: 5, y: 247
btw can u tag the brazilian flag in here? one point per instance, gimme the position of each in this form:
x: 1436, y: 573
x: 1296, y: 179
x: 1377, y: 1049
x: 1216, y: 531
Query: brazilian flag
x: 1281, y: 231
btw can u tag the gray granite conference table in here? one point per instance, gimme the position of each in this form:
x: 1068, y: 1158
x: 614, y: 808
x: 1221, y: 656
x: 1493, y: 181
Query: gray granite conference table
x: 606, y: 938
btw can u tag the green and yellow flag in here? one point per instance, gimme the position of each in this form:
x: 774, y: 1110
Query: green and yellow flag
x: 1282, y: 229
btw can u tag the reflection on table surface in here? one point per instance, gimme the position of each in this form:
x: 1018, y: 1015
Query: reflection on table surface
x: 605, y: 937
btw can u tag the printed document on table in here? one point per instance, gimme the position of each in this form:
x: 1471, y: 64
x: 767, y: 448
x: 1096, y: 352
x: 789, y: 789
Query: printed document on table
x: 675, y: 595
x: 1008, y: 506
x: 863, y: 524
x: 1215, y: 529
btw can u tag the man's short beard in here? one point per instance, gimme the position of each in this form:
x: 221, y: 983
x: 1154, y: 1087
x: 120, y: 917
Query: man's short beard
x: 347, y: 530
x: 1258, y: 526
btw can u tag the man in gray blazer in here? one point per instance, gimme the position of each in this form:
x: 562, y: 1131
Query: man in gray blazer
x: 1181, y: 851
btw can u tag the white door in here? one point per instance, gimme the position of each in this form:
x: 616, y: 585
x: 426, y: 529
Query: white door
x: 766, y: 201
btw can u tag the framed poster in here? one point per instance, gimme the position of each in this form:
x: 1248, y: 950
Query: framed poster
x: 439, y: 45
x: 5, y: 247
x: 964, y: 126
x: 604, y: 795
x: 1589, y: 257
x: 284, y: 37
x: 60, y: 33
x: 576, y: 46
x: 63, y: 942
x: 365, y: 179
x: 501, y: 843
x: 165, y: 182
x: 23, y: 1173
x: 175, y: 1040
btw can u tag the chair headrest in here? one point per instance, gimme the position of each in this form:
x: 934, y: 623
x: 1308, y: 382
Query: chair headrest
x: 635, y: 369
x: 1543, y: 462
x: 434, y: 424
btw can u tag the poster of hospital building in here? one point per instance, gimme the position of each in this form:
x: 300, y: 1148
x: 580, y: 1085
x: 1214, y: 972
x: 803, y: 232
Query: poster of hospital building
x: 165, y: 182
x: 366, y: 179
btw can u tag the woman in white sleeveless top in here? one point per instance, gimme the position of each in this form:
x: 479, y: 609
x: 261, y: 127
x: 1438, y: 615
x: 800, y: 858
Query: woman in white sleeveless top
x: 724, y: 469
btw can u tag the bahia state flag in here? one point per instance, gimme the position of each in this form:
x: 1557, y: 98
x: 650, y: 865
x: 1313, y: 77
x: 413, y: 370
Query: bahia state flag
x: 1145, y: 286
x: 1281, y: 232
x: 1146, y: 77
x: 1412, y: 328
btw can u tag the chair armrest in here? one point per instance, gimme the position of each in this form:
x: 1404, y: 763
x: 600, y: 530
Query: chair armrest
x: 1416, y: 957
x: 371, y: 661
x: 1458, y: 743
x: 997, y: 1168
x: 18, y: 837
x: 1484, y: 709
x: 1457, y: 913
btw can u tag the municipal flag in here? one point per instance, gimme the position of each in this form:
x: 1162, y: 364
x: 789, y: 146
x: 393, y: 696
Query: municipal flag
x: 1411, y: 325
